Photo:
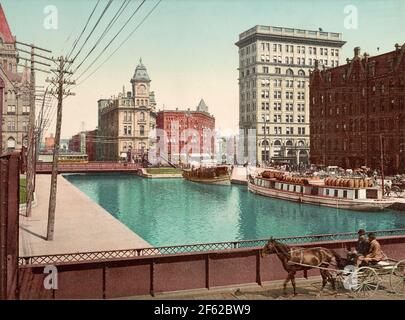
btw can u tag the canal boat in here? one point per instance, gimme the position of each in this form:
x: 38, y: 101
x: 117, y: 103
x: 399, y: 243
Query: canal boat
x: 351, y: 194
x: 218, y: 175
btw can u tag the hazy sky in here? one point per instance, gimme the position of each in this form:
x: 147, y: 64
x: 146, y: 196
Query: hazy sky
x: 188, y: 46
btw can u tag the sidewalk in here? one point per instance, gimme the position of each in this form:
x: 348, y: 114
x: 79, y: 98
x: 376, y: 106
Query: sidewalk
x: 81, y: 225
x: 307, y: 289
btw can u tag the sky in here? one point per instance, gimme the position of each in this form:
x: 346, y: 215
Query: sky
x: 188, y: 46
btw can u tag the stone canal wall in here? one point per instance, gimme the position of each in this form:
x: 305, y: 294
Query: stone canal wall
x: 143, y: 275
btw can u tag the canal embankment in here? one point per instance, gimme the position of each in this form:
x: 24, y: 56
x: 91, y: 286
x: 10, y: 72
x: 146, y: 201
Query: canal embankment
x: 160, y: 173
x: 81, y: 225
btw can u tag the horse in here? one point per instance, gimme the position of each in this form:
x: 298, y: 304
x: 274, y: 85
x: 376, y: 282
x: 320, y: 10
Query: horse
x: 303, y: 259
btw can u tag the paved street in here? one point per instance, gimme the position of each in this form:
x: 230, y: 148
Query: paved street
x: 306, y: 290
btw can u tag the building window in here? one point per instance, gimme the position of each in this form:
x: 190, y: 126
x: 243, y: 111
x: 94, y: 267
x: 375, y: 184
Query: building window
x: 142, y: 130
x: 26, y: 109
x: 10, y: 109
x: 11, y: 143
x: 277, y: 70
x: 277, y: 106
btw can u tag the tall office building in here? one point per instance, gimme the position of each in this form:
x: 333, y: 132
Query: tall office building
x: 274, y: 68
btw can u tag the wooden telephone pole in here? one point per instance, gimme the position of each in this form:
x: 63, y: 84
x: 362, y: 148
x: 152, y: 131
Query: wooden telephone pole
x: 60, y: 93
x: 31, y: 122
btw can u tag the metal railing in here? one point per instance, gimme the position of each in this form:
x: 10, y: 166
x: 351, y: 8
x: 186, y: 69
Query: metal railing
x: 90, y: 166
x: 191, y: 248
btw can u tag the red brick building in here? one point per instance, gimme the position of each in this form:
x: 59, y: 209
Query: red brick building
x: 357, y: 112
x: 187, y: 128
x: 84, y: 142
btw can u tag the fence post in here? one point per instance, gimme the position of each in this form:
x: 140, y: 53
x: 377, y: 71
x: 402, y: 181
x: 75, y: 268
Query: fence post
x: 258, y: 268
x: 207, y: 271
x: 9, y: 213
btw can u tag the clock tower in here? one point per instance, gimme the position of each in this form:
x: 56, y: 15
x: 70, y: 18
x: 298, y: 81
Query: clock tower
x: 141, y: 86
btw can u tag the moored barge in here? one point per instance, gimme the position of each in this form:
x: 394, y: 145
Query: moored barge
x: 351, y: 194
x: 210, y: 175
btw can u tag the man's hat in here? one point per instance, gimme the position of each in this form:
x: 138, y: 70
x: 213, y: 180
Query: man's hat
x: 361, y: 232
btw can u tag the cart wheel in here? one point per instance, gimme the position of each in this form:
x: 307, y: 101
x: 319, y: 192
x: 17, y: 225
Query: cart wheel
x: 397, y: 278
x: 396, y: 190
x: 367, y: 282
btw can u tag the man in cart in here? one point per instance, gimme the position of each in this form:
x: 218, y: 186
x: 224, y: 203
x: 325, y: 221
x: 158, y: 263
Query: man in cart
x: 362, y: 247
x: 374, y: 255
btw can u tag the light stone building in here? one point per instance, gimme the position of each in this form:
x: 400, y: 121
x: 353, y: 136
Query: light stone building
x: 125, y: 122
x: 274, y: 68
x: 14, y: 92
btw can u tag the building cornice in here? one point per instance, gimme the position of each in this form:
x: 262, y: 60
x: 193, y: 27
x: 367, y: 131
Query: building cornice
x: 288, y: 39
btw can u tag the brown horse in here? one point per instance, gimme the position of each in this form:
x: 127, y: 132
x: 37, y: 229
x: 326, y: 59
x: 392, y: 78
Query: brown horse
x: 302, y: 259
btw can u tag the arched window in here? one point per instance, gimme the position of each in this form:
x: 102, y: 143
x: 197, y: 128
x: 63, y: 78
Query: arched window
x: 277, y: 143
x: 265, y: 143
x: 290, y: 72
x: 11, y: 143
x: 300, y: 143
x: 301, y: 72
x: 289, y: 143
x: 290, y: 153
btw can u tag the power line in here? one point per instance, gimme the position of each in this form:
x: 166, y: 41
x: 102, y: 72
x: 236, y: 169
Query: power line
x: 84, y: 29
x: 112, y: 40
x: 92, y: 30
x: 121, y: 44
x: 109, y: 26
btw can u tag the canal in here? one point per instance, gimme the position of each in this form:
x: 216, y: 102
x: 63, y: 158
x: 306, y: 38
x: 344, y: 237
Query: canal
x: 175, y: 211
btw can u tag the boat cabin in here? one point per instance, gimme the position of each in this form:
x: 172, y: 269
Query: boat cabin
x: 320, y: 190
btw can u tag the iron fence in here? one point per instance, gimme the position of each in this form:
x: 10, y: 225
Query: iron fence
x: 191, y: 248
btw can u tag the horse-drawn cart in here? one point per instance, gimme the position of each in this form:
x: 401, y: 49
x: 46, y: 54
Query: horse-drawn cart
x: 365, y: 281
x: 361, y: 281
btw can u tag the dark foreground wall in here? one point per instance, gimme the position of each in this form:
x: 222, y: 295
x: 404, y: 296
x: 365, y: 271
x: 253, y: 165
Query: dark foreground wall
x: 150, y: 274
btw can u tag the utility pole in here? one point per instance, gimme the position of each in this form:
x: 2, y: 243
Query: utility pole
x: 38, y: 135
x: 60, y: 93
x: 31, y: 122
x: 382, y: 163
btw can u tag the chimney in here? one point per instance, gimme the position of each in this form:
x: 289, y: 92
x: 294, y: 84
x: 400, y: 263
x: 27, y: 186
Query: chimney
x: 357, y: 52
x: 397, y: 47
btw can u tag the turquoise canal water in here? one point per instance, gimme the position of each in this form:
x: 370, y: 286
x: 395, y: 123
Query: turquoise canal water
x: 175, y: 211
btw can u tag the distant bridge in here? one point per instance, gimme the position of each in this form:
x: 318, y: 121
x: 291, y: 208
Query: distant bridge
x: 89, y: 167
